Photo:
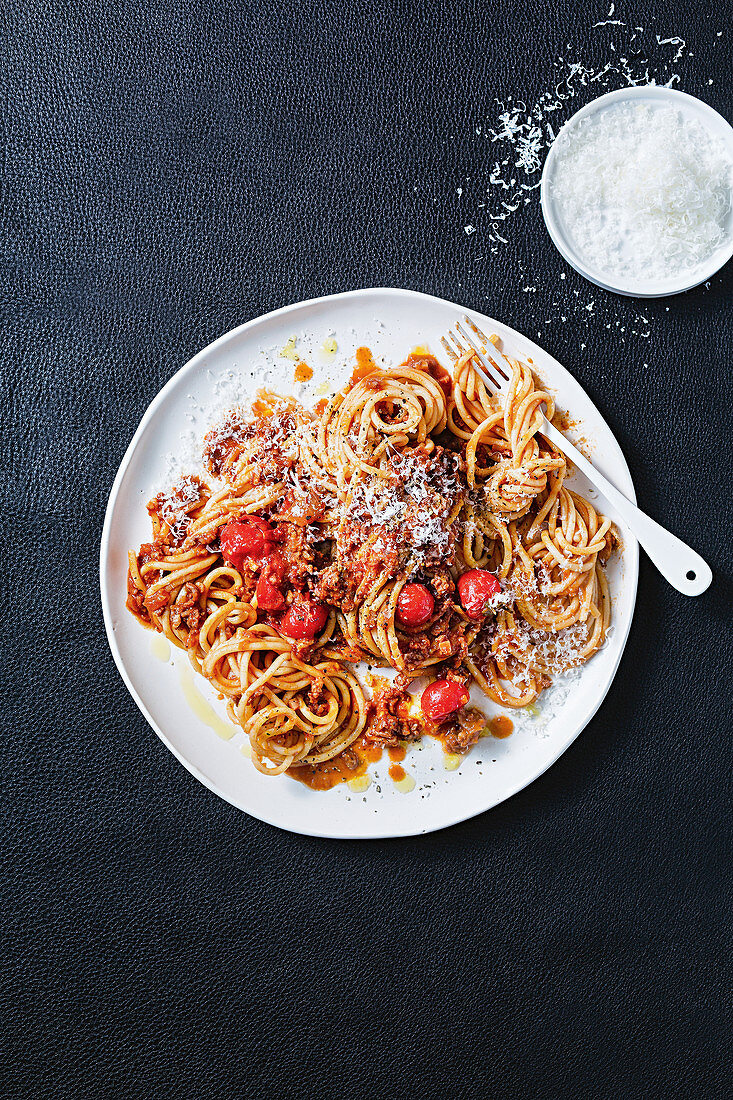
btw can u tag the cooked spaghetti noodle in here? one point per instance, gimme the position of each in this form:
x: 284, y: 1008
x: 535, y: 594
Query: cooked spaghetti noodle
x: 414, y: 521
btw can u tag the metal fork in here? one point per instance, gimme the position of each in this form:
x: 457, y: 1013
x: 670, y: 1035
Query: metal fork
x: 675, y: 560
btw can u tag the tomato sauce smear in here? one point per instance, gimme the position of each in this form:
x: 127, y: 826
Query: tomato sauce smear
x: 349, y: 764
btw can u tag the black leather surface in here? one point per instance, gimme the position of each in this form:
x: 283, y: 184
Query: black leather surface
x: 174, y: 170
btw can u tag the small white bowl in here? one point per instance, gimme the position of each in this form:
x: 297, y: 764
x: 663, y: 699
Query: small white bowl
x: 654, y: 96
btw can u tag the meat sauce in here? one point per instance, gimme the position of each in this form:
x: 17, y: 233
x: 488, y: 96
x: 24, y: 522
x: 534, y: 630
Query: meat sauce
x: 356, y: 759
x: 365, y: 365
x: 500, y: 726
x: 419, y: 360
x: 396, y: 753
x: 392, y: 720
x: 416, y: 360
x: 303, y: 373
x: 348, y: 765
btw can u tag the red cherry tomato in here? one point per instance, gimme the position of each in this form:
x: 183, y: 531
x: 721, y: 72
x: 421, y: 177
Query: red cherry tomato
x: 267, y: 530
x: 475, y: 589
x: 415, y: 605
x: 248, y: 538
x: 443, y: 698
x: 270, y: 595
x: 305, y: 618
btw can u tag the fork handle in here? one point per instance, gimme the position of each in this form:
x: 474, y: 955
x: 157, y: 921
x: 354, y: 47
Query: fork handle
x: 675, y: 560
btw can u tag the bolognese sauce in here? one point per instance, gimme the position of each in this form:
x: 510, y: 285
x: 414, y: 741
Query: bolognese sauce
x: 405, y: 523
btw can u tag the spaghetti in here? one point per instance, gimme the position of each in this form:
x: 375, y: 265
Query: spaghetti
x: 413, y: 521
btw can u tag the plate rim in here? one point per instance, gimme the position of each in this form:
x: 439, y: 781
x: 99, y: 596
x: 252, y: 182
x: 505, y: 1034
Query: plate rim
x: 159, y: 399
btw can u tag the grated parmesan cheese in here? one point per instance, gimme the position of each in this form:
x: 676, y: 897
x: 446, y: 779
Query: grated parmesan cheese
x: 643, y: 192
x: 411, y: 510
x: 613, y: 54
x: 177, y: 502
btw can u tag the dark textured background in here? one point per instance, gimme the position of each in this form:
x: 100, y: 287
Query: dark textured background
x: 174, y: 169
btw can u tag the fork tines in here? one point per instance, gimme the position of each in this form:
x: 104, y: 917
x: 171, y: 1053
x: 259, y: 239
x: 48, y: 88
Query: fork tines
x: 488, y: 361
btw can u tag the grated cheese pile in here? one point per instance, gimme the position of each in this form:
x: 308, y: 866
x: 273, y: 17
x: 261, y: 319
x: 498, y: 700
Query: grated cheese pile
x: 615, y: 52
x: 176, y: 504
x: 643, y: 192
x: 410, y: 510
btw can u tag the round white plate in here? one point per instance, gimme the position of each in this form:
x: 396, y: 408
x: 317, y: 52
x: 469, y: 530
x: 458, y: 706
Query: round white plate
x: 654, y: 97
x: 180, y: 705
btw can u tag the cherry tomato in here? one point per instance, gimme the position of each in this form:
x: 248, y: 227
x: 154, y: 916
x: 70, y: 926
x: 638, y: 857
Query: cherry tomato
x: 305, y: 618
x: 475, y: 589
x: 415, y: 605
x: 442, y: 698
x: 270, y: 595
x: 251, y: 537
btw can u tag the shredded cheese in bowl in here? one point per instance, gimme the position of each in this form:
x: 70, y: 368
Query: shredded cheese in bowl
x: 641, y: 192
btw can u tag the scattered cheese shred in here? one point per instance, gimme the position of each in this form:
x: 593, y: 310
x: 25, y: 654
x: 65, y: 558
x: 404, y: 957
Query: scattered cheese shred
x: 643, y: 192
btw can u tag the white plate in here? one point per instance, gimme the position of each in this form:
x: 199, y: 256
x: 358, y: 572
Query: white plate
x: 654, y: 97
x: 391, y: 323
